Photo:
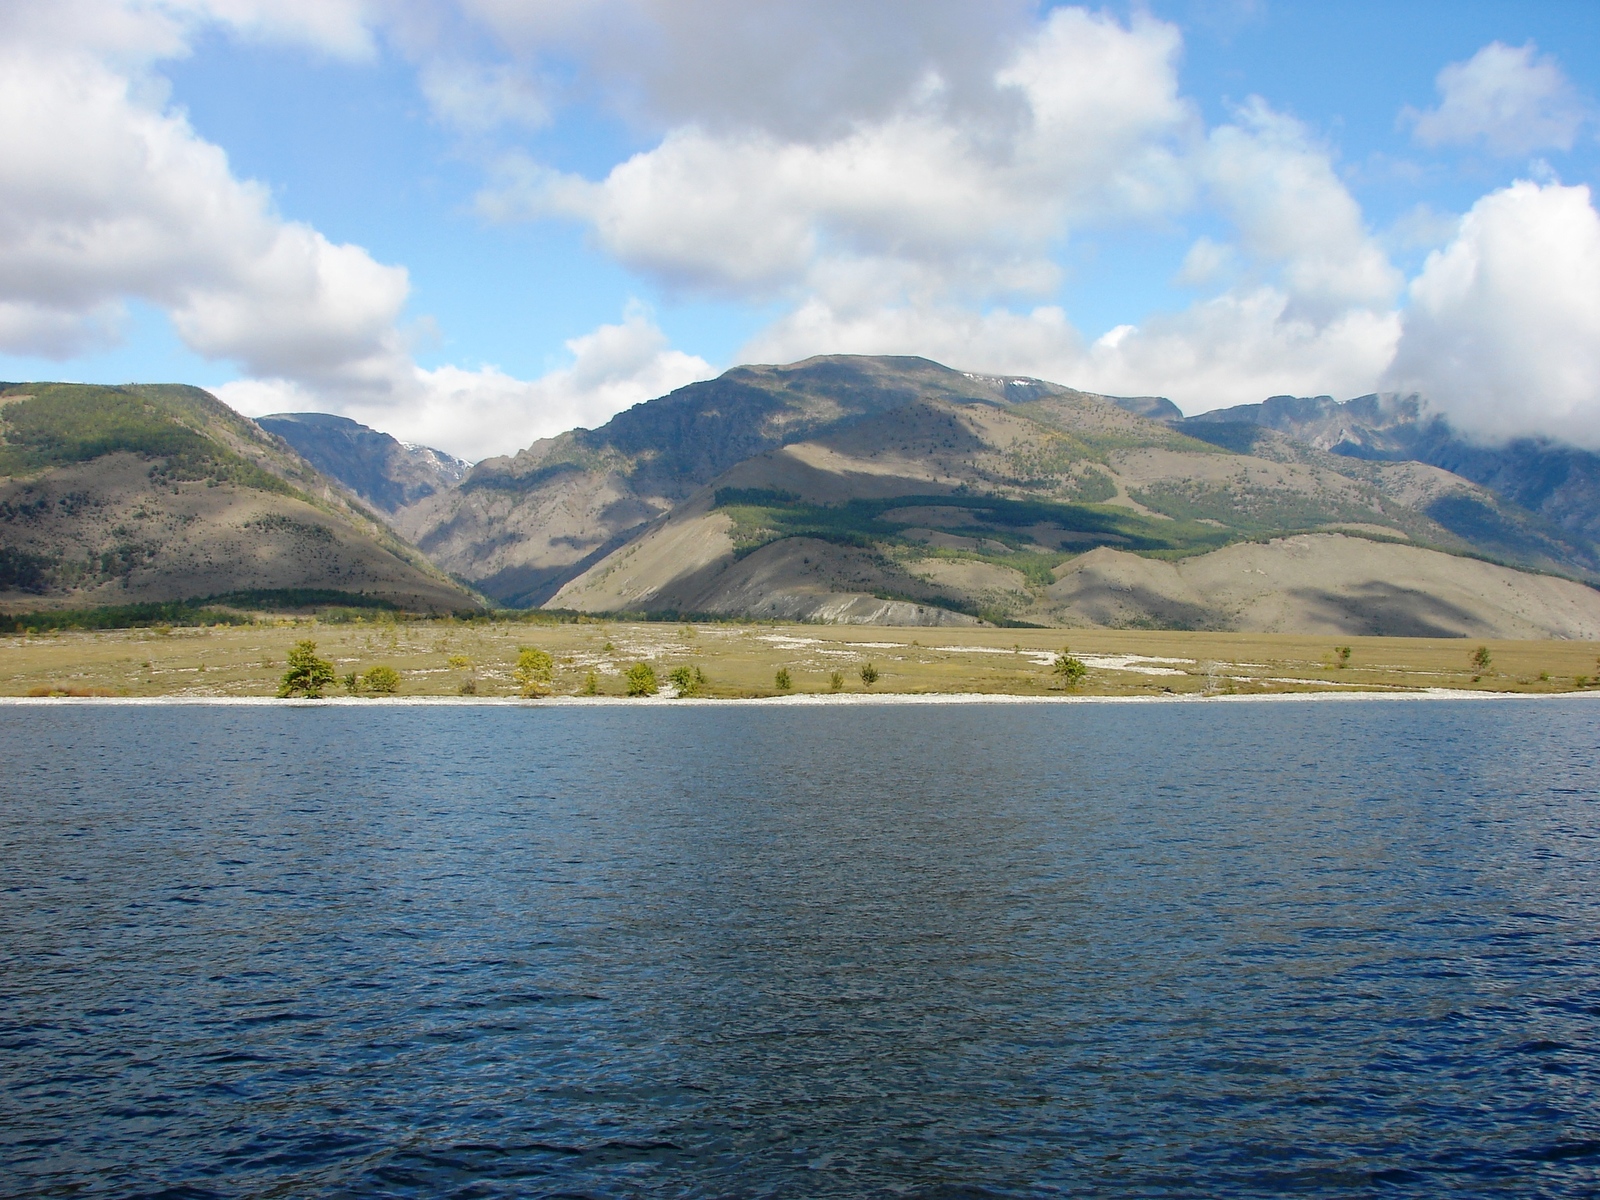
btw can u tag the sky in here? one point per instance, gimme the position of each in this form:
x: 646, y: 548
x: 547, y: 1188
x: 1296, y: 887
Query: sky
x: 474, y: 223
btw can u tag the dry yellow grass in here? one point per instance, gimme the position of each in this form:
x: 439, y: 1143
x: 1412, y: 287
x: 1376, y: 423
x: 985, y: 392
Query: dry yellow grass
x: 436, y: 658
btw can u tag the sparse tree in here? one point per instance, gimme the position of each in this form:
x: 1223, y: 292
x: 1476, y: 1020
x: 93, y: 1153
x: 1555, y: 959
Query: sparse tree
x: 352, y: 683
x: 641, y: 680
x: 1068, y: 669
x: 384, y: 681
x: 533, y: 671
x: 869, y: 674
x: 1481, y: 658
x: 591, y: 685
x: 307, y: 675
x: 689, y: 681
x: 782, y: 680
x: 1342, y: 653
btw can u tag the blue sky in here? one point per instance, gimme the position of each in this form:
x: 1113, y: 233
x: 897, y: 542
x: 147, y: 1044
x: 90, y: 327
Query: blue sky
x: 475, y: 222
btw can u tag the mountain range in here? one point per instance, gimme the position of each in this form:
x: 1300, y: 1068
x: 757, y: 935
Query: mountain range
x: 896, y: 490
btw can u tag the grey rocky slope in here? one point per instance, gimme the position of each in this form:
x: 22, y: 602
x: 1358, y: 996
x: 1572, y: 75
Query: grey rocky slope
x: 385, y: 473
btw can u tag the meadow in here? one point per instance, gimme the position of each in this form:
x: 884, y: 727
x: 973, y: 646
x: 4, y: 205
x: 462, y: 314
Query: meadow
x: 453, y: 657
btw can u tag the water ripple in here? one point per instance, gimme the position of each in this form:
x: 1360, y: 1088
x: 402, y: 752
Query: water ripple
x: 1244, y: 950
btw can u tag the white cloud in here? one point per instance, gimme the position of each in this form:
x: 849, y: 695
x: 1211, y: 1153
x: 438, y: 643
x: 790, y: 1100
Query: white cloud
x: 1234, y: 349
x: 476, y: 98
x: 107, y: 195
x: 134, y: 33
x: 104, y: 197
x: 1503, y: 328
x: 1510, y: 98
x: 1083, y: 123
x: 1295, y: 214
x: 798, y: 71
x: 478, y: 413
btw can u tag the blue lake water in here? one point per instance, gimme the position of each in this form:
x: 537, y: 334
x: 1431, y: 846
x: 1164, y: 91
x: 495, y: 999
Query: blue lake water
x: 957, y: 951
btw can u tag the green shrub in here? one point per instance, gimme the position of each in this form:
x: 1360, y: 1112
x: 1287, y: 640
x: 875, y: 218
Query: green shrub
x: 534, y: 668
x: 307, y: 675
x: 383, y: 680
x: 591, y: 685
x: 869, y: 674
x: 690, y: 681
x: 641, y: 680
x: 1068, y: 669
x: 836, y: 682
x: 782, y: 680
x: 1481, y: 658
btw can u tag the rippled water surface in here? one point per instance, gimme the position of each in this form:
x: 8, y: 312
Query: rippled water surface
x: 1105, y: 950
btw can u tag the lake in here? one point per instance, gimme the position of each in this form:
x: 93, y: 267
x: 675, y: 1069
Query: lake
x: 1249, y: 949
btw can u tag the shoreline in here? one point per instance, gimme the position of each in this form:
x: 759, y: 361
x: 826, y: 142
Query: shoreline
x: 808, y: 700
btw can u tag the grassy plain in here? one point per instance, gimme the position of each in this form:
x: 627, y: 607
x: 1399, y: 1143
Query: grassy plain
x: 441, y: 657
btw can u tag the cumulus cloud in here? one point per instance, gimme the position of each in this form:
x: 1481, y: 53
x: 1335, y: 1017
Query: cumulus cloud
x: 1234, y: 349
x: 478, y: 413
x: 107, y: 195
x: 477, y: 97
x: 1084, y: 121
x: 1294, y: 213
x: 1310, y: 309
x: 798, y: 71
x: 104, y: 197
x: 1502, y: 332
x: 1510, y: 99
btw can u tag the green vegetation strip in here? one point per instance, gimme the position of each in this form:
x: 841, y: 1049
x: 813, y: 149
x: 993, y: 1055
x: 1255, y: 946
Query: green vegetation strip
x: 58, y: 424
x: 761, y: 516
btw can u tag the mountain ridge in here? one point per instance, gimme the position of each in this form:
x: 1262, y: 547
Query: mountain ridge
x: 154, y: 493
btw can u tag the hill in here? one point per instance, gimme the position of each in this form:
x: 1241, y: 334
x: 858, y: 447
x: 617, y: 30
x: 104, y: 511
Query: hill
x: 946, y: 510
x: 383, y: 472
x: 123, y: 495
x: 960, y: 498
x: 1559, y: 485
x: 520, y: 527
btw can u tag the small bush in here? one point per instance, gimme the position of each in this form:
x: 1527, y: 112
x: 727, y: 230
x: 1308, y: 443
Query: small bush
x: 1070, y: 671
x: 642, y: 680
x: 352, y: 683
x: 591, y: 685
x: 307, y: 675
x: 836, y: 682
x: 469, y: 687
x: 782, y: 680
x: 533, y: 671
x: 385, y: 681
x: 1481, y: 658
x: 869, y: 674
x: 690, y: 681
x: 1342, y: 654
